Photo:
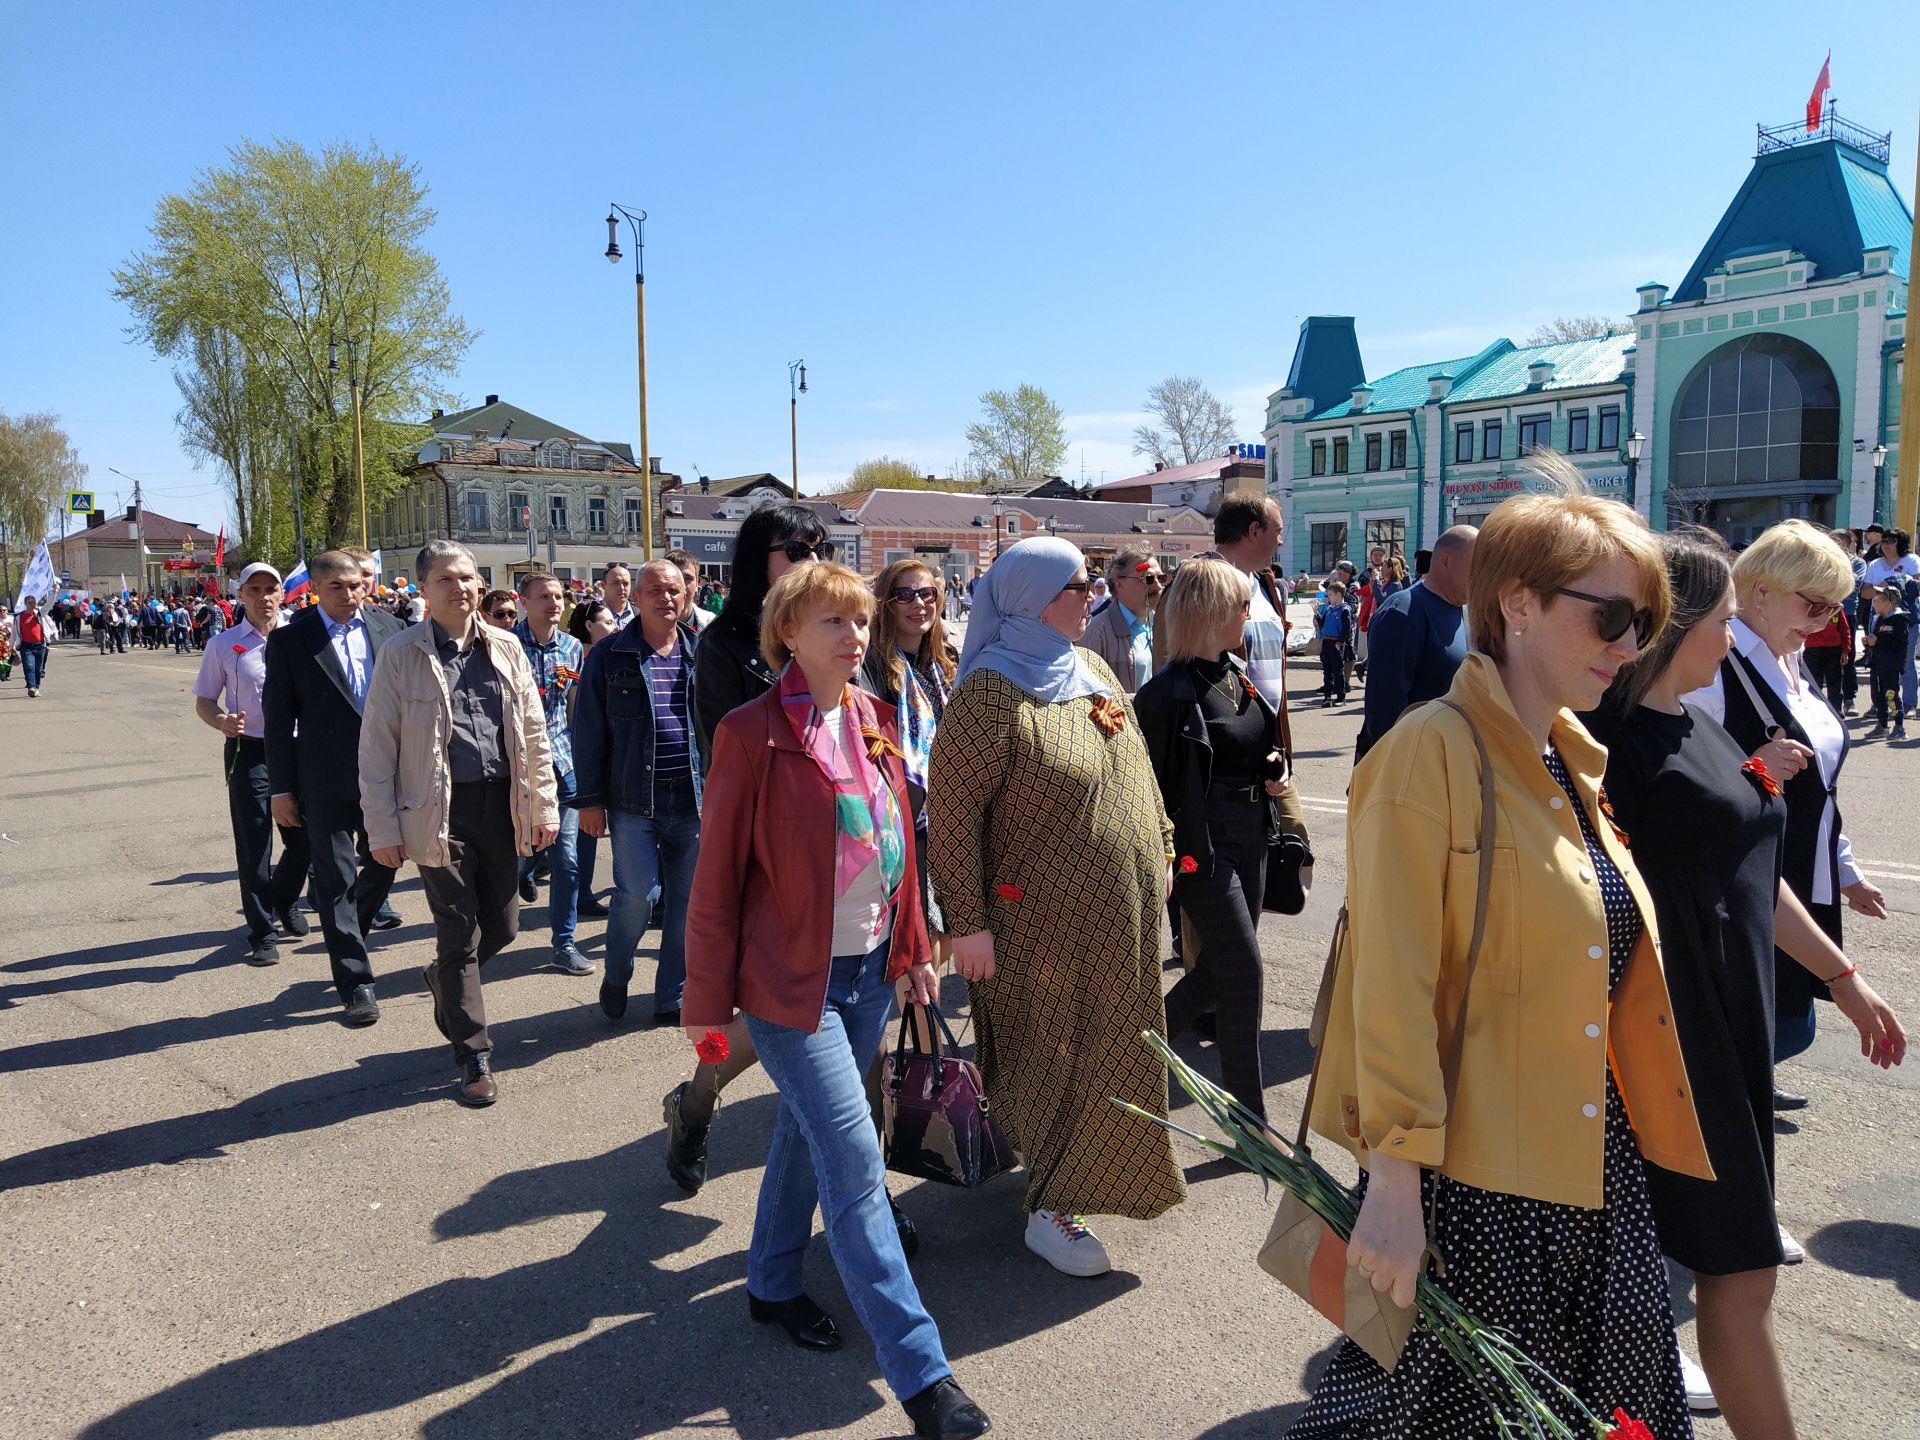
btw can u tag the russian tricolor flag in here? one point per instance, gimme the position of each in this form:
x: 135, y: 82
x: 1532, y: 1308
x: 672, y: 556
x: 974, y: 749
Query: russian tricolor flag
x: 297, y: 584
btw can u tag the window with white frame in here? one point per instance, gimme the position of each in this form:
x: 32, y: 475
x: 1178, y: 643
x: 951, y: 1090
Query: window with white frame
x: 596, y: 515
x: 557, y: 511
x: 476, y: 510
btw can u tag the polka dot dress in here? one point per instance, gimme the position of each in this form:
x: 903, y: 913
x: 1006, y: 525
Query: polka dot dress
x: 1584, y: 1291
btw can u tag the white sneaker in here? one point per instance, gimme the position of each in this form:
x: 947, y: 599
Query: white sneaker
x: 1792, y: 1252
x: 1065, y: 1242
x: 1699, y: 1393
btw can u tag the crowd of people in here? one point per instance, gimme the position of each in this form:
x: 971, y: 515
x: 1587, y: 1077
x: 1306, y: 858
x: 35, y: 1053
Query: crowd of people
x: 820, y: 801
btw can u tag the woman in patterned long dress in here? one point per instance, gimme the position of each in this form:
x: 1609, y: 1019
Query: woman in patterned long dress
x: 1529, y: 1166
x: 1051, y: 859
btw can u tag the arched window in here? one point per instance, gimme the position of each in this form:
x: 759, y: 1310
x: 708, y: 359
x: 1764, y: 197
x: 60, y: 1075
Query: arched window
x: 1762, y: 410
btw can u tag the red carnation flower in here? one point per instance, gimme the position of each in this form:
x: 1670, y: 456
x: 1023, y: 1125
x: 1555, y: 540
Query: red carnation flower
x: 239, y: 649
x: 1756, y: 770
x: 712, y: 1047
x: 1009, y: 892
x: 1625, y: 1427
x: 1188, y: 864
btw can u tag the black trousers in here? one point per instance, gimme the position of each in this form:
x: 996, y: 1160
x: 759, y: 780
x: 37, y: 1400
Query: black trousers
x: 349, y: 887
x: 1333, y: 669
x: 264, y: 888
x: 476, y: 908
x: 1224, y: 910
x: 1825, y: 668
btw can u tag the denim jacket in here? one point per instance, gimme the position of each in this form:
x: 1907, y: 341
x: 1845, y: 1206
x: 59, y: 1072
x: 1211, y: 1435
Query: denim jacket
x: 613, y: 732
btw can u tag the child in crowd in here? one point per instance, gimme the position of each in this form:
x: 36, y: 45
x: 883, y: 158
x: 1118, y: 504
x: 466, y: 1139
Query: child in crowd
x: 1333, y: 623
x: 1887, y: 661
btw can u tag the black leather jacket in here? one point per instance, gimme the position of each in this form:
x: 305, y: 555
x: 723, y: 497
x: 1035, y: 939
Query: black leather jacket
x: 1175, y: 730
x: 728, y: 671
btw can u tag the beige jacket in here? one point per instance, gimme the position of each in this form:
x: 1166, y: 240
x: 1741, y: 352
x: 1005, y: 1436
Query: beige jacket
x: 406, y: 787
x: 1110, y: 636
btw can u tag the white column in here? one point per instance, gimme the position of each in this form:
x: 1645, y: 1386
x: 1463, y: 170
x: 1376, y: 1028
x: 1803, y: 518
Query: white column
x: 1866, y: 419
x: 1432, y: 460
x: 1645, y: 372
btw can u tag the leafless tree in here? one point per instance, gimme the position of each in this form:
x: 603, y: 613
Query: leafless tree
x: 1576, y: 327
x: 1191, y: 424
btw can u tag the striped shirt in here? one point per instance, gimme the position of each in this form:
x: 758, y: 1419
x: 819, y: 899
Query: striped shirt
x: 667, y: 677
x: 562, y: 652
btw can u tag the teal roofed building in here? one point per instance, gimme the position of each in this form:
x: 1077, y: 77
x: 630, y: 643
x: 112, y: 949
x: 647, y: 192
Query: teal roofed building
x: 1764, y: 385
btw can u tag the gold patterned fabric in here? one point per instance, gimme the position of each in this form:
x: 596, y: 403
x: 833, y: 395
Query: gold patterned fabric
x: 1049, y: 832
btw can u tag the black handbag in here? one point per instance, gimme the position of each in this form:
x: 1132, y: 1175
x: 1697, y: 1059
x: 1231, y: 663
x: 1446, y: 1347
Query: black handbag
x: 1286, y: 857
x: 938, y: 1126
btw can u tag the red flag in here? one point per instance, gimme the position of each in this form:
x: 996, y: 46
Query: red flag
x: 220, y: 550
x: 1817, y: 102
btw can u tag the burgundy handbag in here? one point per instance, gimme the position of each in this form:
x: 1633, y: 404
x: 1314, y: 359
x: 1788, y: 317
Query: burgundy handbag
x: 938, y: 1126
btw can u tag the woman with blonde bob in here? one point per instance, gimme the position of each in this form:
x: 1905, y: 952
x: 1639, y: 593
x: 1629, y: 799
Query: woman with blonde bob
x: 805, y: 908
x: 1209, y: 733
x: 1788, y: 583
x: 1495, y: 1107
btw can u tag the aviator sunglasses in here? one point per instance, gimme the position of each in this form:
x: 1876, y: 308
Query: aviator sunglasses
x: 907, y: 594
x: 1614, y: 615
x: 799, y: 551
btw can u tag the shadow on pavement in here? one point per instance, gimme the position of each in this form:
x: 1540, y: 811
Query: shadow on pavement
x: 1285, y: 1056
x: 1273, y: 1421
x: 654, y: 1369
x: 1880, y: 1249
x: 376, y: 1083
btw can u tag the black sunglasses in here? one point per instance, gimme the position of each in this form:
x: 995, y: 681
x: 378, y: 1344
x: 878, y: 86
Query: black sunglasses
x: 799, y: 551
x: 1615, y: 616
x: 1083, y: 586
x: 907, y: 594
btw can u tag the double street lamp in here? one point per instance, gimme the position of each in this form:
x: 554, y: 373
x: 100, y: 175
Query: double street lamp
x: 1636, y: 442
x: 359, y: 448
x: 794, y: 392
x: 635, y: 220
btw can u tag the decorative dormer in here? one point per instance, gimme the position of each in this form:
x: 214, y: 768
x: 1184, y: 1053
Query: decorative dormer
x: 1876, y: 259
x: 1652, y: 295
x: 1437, y: 387
x: 1539, y: 372
x: 1362, y: 394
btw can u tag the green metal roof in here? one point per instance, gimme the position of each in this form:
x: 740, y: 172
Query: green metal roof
x: 1575, y: 363
x: 1407, y: 389
x: 1826, y: 199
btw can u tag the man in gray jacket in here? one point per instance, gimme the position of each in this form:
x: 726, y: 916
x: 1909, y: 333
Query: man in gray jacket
x: 1121, y: 632
x: 456, y: 775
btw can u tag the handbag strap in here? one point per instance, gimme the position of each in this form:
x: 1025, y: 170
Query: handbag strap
x: 909, y: 1035
x: 1323, y: 1002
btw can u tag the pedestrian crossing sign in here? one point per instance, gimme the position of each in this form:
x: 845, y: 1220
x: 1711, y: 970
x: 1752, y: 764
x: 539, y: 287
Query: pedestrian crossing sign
x: 79, y: 502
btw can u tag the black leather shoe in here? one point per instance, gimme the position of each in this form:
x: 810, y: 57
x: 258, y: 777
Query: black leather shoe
x: 613, y: 1000
x: 1787, y: 1100
x: 942, y: 1411
x: 667, y: 1018
x: 387, y: 918
x: 686, y: 1144
x: 292, y: 922
x: 477, y: 1089
x: 529, y: 892
x: 909, y: 1232
x: 362, y: 1008
x: 592, y: 909
x: 809, y: 1327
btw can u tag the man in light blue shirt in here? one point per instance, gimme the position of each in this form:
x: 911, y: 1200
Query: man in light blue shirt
x: 1121, y: 632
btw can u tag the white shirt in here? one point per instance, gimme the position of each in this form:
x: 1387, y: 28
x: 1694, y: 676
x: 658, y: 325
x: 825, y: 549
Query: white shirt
x: 1266, y: 647
x: 1823, y: 727
x: 623, y: 618
x: 1881, y: 570
x: 861, y: 917
x: 353, y: 647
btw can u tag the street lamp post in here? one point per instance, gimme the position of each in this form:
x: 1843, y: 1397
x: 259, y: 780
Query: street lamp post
x: 1879, y: 483
x: 359, y: 454
x: 1636, y: 442
x: 999, y: 511
x: 636, y: 219
x: 794, y: 392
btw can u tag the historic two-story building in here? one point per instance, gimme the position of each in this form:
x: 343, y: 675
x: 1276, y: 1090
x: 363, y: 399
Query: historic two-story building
x: 1764, y: 385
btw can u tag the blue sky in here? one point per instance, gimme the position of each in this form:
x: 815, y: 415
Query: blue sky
x: 922, y: 201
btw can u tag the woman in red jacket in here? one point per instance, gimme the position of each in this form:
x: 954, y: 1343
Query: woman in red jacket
x: 805, y: 910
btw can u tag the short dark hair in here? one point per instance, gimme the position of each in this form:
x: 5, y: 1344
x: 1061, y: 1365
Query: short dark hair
x: 1902, y: 542
x: 682, y: 558
x: 1238, y: 514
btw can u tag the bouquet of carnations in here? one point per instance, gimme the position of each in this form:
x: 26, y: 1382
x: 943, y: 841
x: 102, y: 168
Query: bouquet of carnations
x: 1513, y: 1384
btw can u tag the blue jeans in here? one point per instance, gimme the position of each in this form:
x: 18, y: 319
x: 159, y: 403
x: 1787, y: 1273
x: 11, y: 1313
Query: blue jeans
x: 33, y: 664
x: 1909, y: 682
x: 825, y: 1152
x: 563, y: 867
x: 649, y: 851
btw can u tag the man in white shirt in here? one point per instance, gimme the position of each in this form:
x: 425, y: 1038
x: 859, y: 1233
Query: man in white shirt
x: 616, y: 588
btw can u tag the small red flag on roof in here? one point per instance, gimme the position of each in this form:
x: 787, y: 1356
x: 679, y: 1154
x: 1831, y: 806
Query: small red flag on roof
x: 1817, y: 102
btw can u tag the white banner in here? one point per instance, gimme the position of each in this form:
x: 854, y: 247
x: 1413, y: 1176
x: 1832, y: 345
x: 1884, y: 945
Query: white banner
x: 40, y: 580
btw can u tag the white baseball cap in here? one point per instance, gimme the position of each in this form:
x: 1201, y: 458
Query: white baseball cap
x: 259, y: 567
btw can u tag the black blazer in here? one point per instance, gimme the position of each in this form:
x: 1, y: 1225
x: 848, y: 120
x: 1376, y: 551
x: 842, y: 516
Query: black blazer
x: 1175, y: 730
x: 313, y: 726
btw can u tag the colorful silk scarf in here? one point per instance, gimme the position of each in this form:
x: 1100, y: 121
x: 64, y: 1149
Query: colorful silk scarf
x: 922, y: 699
x: 866, y: 816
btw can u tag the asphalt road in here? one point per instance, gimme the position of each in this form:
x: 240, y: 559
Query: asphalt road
x: 227, y: 1214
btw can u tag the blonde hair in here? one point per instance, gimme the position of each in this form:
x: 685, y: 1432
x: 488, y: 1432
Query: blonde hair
x: 1205, y: 596
x: 934, y: 652
x: 1793, y: 555
x: 1548, y: 539
x: 801, y: 591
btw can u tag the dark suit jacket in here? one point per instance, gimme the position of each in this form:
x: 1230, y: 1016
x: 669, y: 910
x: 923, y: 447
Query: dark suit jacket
x: 313, y: 726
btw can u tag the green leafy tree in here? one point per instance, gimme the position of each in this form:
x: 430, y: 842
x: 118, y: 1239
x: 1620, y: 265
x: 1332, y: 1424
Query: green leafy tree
x: 1020, y: 435
x: 273, y: 283
x: 887, y: 473
x: 1189, y: 424
x: 38, y: 465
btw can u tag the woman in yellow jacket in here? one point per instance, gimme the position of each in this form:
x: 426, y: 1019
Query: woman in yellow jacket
x: 1569, y: 1071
